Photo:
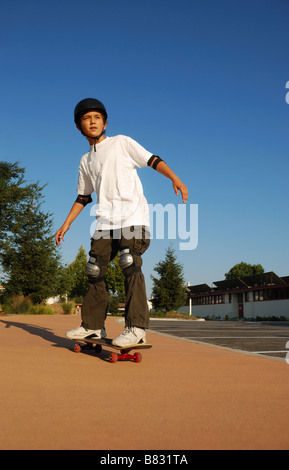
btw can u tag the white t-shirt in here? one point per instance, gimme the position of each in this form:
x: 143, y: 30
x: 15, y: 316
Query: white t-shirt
x: 110, y: 171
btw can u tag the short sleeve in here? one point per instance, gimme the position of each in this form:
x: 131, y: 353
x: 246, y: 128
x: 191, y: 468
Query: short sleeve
x: 84, y: 185
x: 138, y: 154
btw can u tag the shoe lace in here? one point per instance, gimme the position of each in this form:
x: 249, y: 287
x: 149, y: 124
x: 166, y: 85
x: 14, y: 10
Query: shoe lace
x: 128, y: 330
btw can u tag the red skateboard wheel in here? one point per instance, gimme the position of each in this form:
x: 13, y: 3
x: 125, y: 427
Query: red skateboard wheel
x: 113, y: 357
x: 77, y: 348
x: 137, y: 357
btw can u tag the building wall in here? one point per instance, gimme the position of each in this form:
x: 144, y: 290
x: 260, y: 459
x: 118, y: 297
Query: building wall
x: 269, y: 308
x: 213, y: 311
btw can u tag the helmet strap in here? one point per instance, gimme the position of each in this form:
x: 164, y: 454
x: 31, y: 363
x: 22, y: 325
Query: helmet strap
x: 95, y: 138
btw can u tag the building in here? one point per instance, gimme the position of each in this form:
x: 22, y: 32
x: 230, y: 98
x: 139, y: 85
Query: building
x: 259, y: 296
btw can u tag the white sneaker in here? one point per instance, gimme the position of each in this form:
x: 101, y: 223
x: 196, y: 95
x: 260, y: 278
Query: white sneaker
x: 130, y: 337
x: 82, y: 333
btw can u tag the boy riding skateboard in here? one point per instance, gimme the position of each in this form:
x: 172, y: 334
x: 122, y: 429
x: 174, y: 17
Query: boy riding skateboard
x: 122, y: 218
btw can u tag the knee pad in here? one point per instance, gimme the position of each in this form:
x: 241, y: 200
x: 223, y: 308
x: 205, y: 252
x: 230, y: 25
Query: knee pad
x: 93, y: 268
x: 129, y: 261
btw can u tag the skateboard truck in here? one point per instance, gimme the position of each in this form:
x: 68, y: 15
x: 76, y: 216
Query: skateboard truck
x: 125, y: 356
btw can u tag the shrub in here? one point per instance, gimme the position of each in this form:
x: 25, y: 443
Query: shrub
x: 20, y: 304
x: 41, y: 310
x: 68, y: 307
x: 7, y: 309
x: 25, y: 305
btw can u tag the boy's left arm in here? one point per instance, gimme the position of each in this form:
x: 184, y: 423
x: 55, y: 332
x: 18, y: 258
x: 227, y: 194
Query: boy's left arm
x: 165, y: 170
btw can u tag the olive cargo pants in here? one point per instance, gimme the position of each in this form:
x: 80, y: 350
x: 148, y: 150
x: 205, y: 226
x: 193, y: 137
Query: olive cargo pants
x: 94, y: 307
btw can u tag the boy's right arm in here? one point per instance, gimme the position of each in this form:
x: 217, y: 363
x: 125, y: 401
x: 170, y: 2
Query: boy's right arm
x: 75, y: 211
x: 165, y: 170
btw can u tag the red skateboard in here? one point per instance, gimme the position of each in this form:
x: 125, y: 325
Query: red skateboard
x: 97, y: 344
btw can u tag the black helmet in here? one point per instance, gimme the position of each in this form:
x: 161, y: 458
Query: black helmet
x: 86, y: 105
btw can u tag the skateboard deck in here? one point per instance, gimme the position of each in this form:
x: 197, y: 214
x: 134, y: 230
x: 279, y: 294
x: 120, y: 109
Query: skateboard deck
x: 97, y: 344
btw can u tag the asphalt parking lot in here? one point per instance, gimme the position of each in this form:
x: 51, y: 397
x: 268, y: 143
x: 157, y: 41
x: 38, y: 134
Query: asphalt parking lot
x: 264, y: 338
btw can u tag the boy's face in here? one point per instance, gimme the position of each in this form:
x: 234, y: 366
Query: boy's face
x: 92, y: 123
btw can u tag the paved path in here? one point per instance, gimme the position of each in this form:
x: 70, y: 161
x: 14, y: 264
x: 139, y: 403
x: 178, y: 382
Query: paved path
x: 183, y: 395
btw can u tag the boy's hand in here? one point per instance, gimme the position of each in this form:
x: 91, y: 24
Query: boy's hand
x: 60, y: 233
x: 178, y: 185
x: 75, y: 211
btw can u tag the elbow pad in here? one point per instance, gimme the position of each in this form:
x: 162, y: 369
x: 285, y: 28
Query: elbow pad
x: 156, y: 162
x: 83, y: 199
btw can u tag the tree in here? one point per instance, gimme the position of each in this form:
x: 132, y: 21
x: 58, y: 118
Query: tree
x: 14, y: 197
x: 27, y: 249
x: 168, y: 289
x: 76, y: 274
x: 115, y: 279
x: 115, y: 284
x: 244, y: 269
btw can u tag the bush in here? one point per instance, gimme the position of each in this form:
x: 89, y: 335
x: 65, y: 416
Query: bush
x: 7, y: 309
x: 23, y: 305
x: 172, y: 314
x: 113, y: 305
x: 68, y: 307
x: 41, y: 310
x: 19, y: 304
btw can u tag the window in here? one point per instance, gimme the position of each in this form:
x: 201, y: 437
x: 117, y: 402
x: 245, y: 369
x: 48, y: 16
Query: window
x: 220, y: 299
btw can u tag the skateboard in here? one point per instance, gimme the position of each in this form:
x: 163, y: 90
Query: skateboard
x: 96, y: 344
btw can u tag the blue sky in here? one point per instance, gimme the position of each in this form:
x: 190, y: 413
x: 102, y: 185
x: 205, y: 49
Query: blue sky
x: 200, y: 83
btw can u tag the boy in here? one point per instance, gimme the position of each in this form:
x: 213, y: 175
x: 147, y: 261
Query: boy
x: 122, y: 217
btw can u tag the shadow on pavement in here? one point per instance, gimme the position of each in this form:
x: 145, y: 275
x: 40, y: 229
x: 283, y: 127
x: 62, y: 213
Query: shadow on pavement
x: 45, y: 333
